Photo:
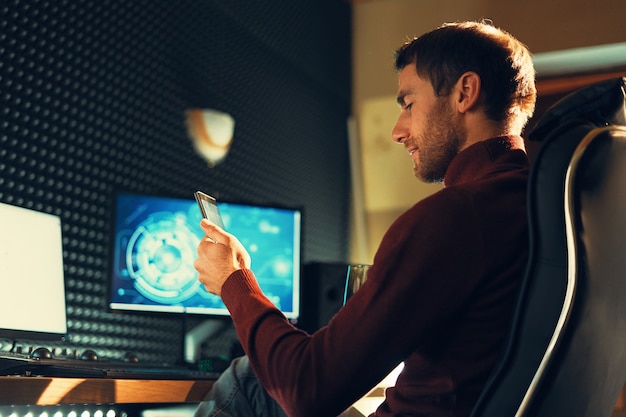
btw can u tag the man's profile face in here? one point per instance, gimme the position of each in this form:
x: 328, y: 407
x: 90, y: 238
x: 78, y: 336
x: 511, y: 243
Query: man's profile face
x: 428, y: 126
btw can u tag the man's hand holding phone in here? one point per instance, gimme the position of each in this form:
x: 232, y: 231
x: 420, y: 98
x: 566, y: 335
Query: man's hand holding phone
x: 220, y: 253
x: 208, y: 208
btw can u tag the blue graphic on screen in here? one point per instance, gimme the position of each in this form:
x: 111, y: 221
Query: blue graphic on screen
x: 155, y: 247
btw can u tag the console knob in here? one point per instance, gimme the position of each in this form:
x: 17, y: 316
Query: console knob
x: 89, y: 355
x: 41, y: 353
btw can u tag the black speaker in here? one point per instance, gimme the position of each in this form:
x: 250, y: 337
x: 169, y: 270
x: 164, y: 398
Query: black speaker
x: 322, y: 290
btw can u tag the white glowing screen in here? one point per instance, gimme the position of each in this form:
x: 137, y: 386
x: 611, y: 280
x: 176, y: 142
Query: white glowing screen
x: 31, y: 273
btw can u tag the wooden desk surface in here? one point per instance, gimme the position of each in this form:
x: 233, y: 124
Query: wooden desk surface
x: 20, y: 390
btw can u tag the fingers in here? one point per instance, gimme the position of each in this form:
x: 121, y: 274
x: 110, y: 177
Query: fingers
x: 213, y: 232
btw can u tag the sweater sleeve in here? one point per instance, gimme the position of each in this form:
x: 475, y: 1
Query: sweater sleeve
x: 412, y: 290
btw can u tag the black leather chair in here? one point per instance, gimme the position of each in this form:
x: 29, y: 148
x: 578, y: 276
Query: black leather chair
x: 566, y: 354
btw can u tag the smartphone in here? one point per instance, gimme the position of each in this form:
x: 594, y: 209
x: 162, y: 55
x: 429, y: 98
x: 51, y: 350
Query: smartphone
x: 208, y: 207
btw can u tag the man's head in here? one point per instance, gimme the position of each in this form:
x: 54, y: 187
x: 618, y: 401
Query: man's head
x: 458, y: 82
x: 503, y: 63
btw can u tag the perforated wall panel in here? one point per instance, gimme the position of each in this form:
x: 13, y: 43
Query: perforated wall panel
x: 92, y: 100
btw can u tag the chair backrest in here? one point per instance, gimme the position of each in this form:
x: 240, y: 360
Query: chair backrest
x: 566, y: 354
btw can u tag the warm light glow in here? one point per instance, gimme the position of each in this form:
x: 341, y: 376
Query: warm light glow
x: 56, y: 390
x: 211, y: 132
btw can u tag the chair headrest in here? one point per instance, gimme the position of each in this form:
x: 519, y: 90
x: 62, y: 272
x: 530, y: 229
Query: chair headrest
x: 602, y: 103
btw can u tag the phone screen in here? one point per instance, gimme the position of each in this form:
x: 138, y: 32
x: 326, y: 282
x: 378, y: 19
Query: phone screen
x: 208, y: 207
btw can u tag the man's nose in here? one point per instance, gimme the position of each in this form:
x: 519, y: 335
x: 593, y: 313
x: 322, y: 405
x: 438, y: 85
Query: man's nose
x: 399, y: 132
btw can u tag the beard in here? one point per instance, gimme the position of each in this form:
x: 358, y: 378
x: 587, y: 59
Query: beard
x: 439, y: 144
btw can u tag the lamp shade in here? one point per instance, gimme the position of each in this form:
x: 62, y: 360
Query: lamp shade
x: 211, y: 132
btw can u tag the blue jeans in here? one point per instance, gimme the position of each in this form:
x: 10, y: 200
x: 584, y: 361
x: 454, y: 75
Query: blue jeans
x: 238, y: 393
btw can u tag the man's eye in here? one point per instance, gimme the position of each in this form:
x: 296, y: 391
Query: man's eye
x: 408, y: 106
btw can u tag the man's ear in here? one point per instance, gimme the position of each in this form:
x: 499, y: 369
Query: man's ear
x: 468, y: 89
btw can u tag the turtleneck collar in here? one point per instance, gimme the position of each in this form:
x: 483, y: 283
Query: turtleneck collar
x: 470, y: 164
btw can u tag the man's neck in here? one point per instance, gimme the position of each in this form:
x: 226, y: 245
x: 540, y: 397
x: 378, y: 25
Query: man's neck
x: 479, y: 128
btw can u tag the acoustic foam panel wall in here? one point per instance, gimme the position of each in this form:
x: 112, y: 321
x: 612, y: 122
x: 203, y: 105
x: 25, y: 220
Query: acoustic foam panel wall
x: 92, y: 100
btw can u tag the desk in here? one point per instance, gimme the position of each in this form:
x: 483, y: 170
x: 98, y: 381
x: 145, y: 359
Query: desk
x: 20, y: 390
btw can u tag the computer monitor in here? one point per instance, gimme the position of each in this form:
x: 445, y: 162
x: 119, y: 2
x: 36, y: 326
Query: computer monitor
x: 32, y: 305
x: 154, y: 247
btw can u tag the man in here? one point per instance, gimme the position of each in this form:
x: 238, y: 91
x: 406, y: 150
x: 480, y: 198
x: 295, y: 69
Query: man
x: 441, y: 290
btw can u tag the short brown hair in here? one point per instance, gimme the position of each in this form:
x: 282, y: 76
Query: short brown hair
x: 503, y: 63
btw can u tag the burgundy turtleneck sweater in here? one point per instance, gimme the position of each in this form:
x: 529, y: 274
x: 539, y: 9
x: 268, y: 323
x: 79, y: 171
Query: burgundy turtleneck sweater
x: 439, y: 298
